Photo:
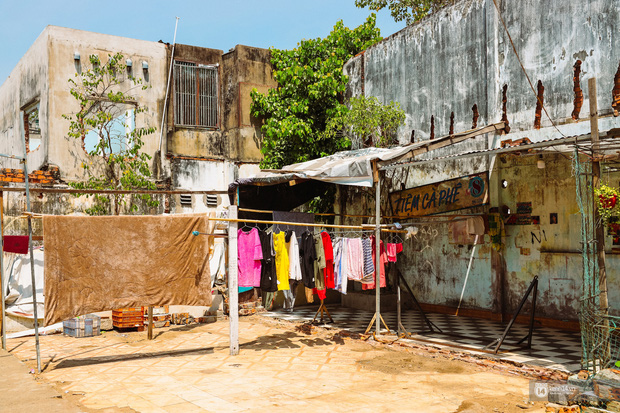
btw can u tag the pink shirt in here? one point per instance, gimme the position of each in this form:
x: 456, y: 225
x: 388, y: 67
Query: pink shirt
x: 249, y: 255
x: 355, y: 259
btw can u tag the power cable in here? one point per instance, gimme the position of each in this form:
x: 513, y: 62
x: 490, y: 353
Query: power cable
x: 499, y: 14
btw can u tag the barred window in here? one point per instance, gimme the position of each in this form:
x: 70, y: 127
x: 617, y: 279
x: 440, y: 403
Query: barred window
x: 195, y: 95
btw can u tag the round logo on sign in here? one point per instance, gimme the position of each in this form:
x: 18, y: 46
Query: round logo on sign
x: 476, y: 186
x: 541, y: 390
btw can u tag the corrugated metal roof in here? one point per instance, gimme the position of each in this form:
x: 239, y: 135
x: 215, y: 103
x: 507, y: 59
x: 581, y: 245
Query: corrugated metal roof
x: 568, y: 141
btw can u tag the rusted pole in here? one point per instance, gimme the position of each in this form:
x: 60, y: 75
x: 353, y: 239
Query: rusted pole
x: 596, y: 177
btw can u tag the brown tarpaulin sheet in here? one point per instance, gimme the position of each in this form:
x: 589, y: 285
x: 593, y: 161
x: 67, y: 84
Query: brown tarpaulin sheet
x: 104, y: 263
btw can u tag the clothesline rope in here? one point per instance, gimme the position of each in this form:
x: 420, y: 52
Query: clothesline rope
x: 299, y: 224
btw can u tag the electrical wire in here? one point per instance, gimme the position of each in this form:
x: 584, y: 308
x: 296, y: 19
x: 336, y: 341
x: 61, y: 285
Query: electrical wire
x: 499, y: 14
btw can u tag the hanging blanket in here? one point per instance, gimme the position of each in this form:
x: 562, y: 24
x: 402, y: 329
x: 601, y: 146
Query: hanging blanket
x: 104, y: 263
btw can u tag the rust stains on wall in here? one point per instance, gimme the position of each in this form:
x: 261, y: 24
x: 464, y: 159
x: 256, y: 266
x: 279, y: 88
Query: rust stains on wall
x: 616, y: 93
x: 451, y: 124
x: 540, y: 98
x: 474, y: 121
x: 504, y: 110
x: 578, y: 102
x: 432, y: 127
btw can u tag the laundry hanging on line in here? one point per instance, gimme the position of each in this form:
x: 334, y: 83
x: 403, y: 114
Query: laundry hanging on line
x: 319, y: 261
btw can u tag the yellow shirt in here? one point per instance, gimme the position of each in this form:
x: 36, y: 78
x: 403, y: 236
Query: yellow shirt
x: 282, y: 261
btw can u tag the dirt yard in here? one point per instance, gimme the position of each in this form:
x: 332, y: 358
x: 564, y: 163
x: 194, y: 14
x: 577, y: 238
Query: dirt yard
x: 281, y: 366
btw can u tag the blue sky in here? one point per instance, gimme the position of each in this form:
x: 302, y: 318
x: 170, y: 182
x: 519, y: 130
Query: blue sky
x: 215, y: 24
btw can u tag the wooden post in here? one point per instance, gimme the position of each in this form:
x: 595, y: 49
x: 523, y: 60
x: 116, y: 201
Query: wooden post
x: 2, y: 275
x: 596, y: 176
x: 150, y: 327
x: 233, y: 288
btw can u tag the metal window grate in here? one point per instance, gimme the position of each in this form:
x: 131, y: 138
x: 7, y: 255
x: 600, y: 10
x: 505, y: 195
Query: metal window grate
x: 211, y: 200
x: 195, y: 95
x: 186, y: 200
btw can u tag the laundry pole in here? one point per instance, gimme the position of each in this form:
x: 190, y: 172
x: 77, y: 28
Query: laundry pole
x: 377, y: 180
x: 233, y: 287
x: 30, y: 248
x: 2, y: 274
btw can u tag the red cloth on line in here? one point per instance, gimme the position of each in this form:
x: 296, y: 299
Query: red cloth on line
x: 391, y: 252
x: 393, y: 249
x: 328, y: 271
x: 16, y: 243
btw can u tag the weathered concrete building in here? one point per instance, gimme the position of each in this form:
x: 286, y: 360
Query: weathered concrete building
x: 208, y: 139
x: 456, y: 70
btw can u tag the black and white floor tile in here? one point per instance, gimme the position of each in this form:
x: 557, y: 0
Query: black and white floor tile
x: 551, y: 347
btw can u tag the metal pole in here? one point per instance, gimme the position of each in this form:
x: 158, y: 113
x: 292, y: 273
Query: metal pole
x: 233, y: 289
x: 163, y: 116
x: 377, y: 250
x: 3, y: 295
x: 34, y: 285
x: 32, y: 276
x: 398, y: 315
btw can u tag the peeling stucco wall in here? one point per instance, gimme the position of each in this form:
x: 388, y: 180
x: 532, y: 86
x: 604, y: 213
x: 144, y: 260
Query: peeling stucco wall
x: 461, y: 57
x: 27, y: 83
x: 213, y: 156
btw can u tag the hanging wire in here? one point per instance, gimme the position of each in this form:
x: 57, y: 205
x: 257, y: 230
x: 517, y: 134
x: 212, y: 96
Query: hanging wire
x: 523, y: 68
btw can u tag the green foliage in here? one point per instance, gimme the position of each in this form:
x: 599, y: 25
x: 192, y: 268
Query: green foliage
x: 409, y: 10
x: 103, y: 103
x: 369, y: 121
x: 310, y: 92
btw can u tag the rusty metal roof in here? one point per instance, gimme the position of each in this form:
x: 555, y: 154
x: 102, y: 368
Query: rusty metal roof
x: 563, y: 144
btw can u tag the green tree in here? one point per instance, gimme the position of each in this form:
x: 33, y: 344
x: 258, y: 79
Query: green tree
x: 368, y: 122
x: 409, y: 10
x: 105, y: 115
x: 310, y: 92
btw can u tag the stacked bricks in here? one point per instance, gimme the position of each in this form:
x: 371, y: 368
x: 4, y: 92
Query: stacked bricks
x: 37, y: 177
x: 250, y: 308
x: 132, y: 317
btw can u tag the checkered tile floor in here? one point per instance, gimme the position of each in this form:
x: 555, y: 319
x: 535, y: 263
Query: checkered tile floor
x: 551, y: 347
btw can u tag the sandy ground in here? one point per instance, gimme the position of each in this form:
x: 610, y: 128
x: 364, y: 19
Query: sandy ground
x: 281, y: 367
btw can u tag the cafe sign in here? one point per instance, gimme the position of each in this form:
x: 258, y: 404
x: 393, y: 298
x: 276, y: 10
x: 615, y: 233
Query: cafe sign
x: 459, y: 193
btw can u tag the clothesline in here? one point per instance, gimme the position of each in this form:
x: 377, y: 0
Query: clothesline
x: 299, y: 224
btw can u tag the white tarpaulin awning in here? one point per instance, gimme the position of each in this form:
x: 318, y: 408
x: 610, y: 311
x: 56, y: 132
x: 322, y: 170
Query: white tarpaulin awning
x: 342, y: 168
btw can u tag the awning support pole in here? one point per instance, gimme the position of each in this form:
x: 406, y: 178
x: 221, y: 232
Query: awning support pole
x: 377, y: 180
x: 233, y: 288
x: 3, y: 295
